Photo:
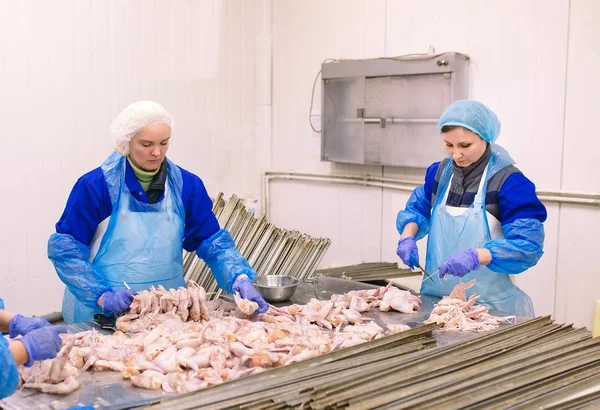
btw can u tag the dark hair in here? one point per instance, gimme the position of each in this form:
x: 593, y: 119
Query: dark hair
x: 448, y: 128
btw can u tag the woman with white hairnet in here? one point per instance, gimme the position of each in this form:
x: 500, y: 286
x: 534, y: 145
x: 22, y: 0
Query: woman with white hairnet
x: 130, y: 219
x: 482, y: 214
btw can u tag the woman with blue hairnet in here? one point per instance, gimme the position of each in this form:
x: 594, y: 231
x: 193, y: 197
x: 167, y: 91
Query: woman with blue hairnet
x: 482, y: 214
x: 130, y: 219
x: 39, y: 341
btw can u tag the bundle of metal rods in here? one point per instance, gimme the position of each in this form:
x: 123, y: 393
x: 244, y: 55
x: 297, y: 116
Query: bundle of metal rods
x: 268, y: 249
x: 365, y: 272
x: 535, y: 364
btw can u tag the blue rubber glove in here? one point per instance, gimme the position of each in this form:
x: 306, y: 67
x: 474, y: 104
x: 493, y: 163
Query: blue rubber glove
x: 43, y: 343
x: 21, y: 325
x: 116, y: 302
x: 248, y: 292
x: 408, y: 251
x: 460, y: 264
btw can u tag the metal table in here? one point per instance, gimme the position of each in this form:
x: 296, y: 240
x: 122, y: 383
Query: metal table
x: 106, y: 390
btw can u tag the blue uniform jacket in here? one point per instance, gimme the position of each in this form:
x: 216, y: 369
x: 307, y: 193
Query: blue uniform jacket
x: 89, y: 204
x: 512, y: 200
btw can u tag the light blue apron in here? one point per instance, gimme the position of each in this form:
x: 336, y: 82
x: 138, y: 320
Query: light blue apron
x: 143, y: 243
x: 450, y: 234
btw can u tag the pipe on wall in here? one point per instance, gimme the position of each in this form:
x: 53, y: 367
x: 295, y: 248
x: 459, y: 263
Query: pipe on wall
x: 562, y: 197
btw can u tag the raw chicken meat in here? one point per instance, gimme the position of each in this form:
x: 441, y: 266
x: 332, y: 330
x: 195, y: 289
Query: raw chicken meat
x: 400, y: 300
x: 39, y: 376
x: 247, y: 307
x: 455, y: 312
x: 177, y: 342
x: 67, y: 386
x: 393, y: 329
x: 185, y: 302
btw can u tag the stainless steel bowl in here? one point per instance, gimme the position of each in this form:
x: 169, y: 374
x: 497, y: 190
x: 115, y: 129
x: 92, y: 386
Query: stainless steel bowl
x: 276, y: 288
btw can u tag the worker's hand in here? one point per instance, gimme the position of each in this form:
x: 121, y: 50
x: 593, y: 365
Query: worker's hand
x: 21, y: 325
x: 248, y: 292
x: 116, y: 302
x: 43, y: 343
x: 408, y: 251
x: 460, y: 264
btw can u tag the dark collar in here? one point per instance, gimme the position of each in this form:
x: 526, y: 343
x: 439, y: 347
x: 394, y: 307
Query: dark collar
x: 475, y: 170
x: 157, y: 186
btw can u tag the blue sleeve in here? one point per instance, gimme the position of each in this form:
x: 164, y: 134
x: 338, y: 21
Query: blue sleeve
x: 68, y: 249
x: 522, y: 215
x: 88, y: 205
x: 9, y: 374
x: 418, y: 207
x: 517, y: 200
x: 520, y: 249
x: 225, y: 262
x: 202, y: 234
x: 430, y: 180
x: 200, y: 221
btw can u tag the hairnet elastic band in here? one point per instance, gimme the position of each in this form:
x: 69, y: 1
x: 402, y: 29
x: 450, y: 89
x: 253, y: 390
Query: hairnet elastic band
x: 459, y: 124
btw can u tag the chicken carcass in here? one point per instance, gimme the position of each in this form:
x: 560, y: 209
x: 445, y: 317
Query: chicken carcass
x: 455, y: 312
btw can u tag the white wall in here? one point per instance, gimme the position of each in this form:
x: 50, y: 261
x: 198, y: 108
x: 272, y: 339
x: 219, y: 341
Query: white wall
x: 67, y: 67
x: 578, y: 281
x: 534, y: 62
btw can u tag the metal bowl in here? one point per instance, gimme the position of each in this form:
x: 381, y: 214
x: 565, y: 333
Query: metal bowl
x: 276, y: 288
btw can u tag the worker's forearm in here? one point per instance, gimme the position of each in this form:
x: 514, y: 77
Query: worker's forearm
x: 17, y: 348
x: 5, y: 318
x: 485, y: 257
x: 410, y: 229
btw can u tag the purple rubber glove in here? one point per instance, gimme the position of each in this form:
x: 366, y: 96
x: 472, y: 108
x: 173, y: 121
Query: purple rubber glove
x: 21, y: 325
x: 408, y: 251
x: 248, y: 292
x: 43, y: 343
x: 460, y: 264
x: 116, y: 302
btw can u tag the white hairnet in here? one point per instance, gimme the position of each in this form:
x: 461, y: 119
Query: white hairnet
x: 135, y: 117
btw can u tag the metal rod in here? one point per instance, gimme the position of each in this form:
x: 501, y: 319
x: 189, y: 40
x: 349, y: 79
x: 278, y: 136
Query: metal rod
x: 549, y: 196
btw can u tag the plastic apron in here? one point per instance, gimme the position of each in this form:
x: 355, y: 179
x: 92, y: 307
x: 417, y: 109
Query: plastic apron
x: 143, y: 243
x: 450, y: 234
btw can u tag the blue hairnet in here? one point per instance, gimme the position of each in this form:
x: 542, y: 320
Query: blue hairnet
x: 473, y: 116
x: 224, y: 260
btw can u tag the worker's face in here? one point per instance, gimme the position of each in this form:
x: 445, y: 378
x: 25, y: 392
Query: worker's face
x: 465, y: 147
x: 149, y: 146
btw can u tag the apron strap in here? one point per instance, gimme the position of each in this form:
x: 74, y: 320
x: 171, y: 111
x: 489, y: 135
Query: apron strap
x: 478, y: 197
x: 478, y: 201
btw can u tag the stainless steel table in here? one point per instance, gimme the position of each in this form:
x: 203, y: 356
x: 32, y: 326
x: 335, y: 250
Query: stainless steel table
x: 106, y: 390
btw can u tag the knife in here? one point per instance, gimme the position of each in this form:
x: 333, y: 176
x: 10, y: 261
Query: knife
x: 105, y: 322
x: 427, y: 276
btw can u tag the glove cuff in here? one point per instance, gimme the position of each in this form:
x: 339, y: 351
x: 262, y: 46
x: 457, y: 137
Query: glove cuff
x: 473, y: 253
x: 13, y: 330
x: 237, y: 283
x: 28, y: 348
x: 406, y: 238
x: 108, y: 293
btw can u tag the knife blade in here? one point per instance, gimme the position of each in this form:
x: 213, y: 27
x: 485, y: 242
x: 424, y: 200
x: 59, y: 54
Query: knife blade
x: 427, y: 276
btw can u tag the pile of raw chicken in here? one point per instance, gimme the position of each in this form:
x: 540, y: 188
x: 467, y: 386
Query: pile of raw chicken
x: 177, y: 341
x: 456, y: 312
